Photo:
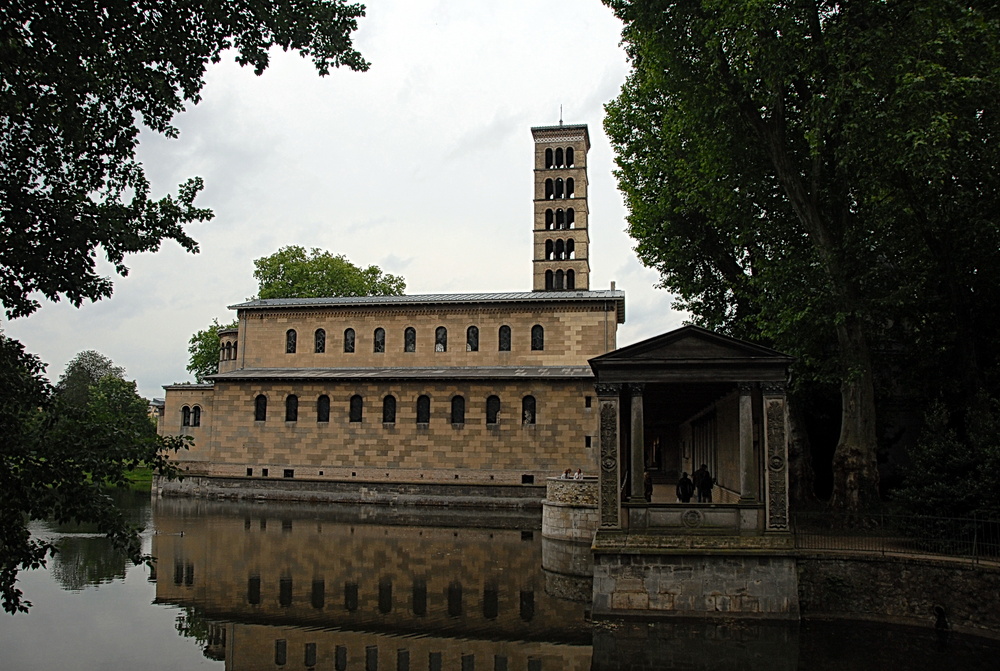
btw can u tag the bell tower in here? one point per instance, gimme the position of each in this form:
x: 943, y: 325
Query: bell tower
x: 562, y: 243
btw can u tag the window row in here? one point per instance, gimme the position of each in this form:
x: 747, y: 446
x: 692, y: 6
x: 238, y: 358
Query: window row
x: 559, y: 158
x: 356, y: 409
x: 557, y: 188
x: 227, y: 352
x: 560, y: 250
x: 389, y: 597
x: 559, y: 280
x: 559, y: 219
x: 410, y: 339
x: 190, y: 416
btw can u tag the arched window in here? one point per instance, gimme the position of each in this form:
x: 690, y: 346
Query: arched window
x: 537, y: 338
x: 320, y: 340
x: 570, y: 249
x: 549, y: 283
x: 570, y: 218
x: 260, y: 408
x: 503, y: 339
x: 493, y: 410
x: 558, y: 284
x: 559, y: 187
x: 441, y: 339
x: 569, y: 157
x: 560, y: 250
x: 357, y: 405
x: 472, y: 339
x: 548, y: 250
x: 548, y: 158
x: 458, y: 410
x: 570, y: 188
x: 548, y: 220
x: 290, y: 341
x: 410, y: 339
x: 195, y: 416
x: 548, y: 189
x: 570, y: 280
x: 234, y: 349
x: 323, y: 408
x: 528, y: 410
x: 389, y: 410
x: 559, y: 157
x: 423, y: 409
x: 186, y: 416
x: 560, y: 219
x: 229, y: 351
x: 292, y: 408
x: 380, y: 339
x: 349, y: 340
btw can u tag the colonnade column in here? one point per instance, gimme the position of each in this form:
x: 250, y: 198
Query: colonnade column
x: 637, y: 446
x: 747, y: 488
x: 610, y: 505
x: 776, y: 455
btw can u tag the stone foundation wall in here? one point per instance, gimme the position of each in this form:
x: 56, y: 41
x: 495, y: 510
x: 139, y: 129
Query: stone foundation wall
x: 569, y: 511
x: 904, y: 590
x: 471, y: 496
x: 751, y: 585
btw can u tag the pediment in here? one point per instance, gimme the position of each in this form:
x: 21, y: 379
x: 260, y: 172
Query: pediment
x: 691, y: 344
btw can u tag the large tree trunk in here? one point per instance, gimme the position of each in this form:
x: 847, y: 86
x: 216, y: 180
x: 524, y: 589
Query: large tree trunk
x: 855, y: 464
x: 801, y: 475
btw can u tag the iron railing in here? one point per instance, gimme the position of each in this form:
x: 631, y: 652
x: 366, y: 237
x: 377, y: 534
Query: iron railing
x: 973, y: 538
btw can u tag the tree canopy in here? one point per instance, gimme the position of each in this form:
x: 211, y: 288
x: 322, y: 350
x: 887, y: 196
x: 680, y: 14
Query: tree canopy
x: 82, y: 372
x: 204, y: 350
x: 821, y: 177
x: 292, y: 272
x: 77, y: 80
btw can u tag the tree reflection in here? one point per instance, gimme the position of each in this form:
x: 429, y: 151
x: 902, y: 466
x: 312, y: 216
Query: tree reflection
x: 87, y: 560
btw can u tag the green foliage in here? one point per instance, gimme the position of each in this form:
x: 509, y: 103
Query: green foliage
x: 954, y: 470
x: 59, y: 456
x: 291, y: 272
x: 81, y: 373
x: 819, y: 177
x: 204, y: 350
x: 78, y: 80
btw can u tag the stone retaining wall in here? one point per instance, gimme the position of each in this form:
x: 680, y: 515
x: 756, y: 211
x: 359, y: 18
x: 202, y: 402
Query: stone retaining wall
x: 523, y: 497
x: 569, y: 511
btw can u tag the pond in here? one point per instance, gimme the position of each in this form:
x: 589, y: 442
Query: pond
x: 246, y: 586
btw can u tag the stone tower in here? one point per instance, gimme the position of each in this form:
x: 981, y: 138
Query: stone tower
x: 562, y: 243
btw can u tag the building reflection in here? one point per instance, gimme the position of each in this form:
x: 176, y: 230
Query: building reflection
x: 350, y: 587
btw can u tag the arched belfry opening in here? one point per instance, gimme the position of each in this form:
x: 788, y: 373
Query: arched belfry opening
x: 563, y: 263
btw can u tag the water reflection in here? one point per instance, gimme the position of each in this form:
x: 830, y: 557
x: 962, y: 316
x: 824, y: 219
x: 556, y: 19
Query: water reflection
x: 321, y: 586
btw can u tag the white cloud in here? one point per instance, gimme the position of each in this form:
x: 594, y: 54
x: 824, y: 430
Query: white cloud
x: 421, y: 165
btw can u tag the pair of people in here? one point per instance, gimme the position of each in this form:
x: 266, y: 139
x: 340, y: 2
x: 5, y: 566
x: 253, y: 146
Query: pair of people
x: 568, y: 474
x: 702, y: 483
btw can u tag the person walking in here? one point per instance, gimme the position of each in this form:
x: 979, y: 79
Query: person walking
x: 703, y: 483
x: 685, y: 488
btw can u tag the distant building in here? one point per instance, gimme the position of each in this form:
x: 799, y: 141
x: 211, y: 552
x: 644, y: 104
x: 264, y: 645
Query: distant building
x: 392, y: 397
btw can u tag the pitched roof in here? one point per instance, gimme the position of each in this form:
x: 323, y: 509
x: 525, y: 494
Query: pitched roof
x: 615, y: 295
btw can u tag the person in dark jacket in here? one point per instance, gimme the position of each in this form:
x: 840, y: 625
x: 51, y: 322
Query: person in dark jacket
x: 703, y: 482
x: 685, y: 488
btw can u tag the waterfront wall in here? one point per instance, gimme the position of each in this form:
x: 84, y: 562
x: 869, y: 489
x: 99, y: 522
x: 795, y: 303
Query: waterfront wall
x: 521, y: 497
x: 901, y: 589
x: 569, y: 511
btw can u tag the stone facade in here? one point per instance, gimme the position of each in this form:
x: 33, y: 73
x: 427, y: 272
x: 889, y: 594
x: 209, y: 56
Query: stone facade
x: 481, y: 390
x: 569, y: 511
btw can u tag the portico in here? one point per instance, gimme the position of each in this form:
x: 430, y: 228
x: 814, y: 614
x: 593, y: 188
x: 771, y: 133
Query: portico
x: 667, y: 405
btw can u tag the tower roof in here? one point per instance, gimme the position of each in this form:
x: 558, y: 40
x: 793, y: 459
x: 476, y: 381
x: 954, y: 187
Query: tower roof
x: 561, y: 133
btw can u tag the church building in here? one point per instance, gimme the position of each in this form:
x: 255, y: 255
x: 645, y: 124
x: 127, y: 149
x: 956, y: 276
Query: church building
x: 473, y: 397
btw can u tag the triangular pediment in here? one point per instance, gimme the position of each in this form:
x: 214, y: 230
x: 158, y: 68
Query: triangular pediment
x: 691, y: 344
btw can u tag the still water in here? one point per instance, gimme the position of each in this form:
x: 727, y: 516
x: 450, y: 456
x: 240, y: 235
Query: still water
x: 246, y: 586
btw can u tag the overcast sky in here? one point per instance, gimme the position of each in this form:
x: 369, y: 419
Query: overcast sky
x: 422, y: 166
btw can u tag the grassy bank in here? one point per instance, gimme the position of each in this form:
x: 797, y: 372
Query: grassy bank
x: 140, y: 480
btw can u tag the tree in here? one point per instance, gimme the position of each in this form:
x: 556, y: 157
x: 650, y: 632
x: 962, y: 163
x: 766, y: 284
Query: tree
x: 291, y: 272
x: 204, y: 350
x: 82, y: 372
x: 816, y: 176
x: 77, y: 80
